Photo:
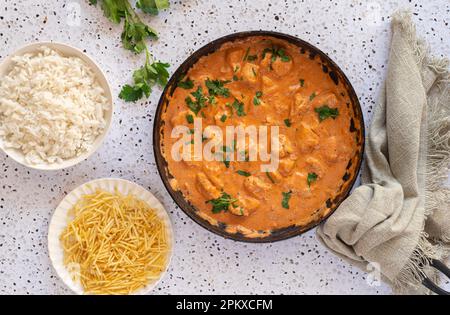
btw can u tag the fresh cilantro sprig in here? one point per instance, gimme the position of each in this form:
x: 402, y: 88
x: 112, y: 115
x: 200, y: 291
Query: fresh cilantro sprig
x: 145, y: 78
x: 222, y: 203
x: 134, y: 36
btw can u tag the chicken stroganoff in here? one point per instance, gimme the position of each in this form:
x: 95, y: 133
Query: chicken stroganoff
x: 262, y: 81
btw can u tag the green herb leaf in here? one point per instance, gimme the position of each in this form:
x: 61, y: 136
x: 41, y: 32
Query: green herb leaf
x: 200, y: 101
x: 325, y: 112
x: 190, y: 119
x: 216, y: 87
x: 252, y: 57
x: 287, y: 122
x: 276, y: 52
x: 222, y: 203
x: 186, y: 84
x: 243, y: 173
x: 223, y: 118
x: 239, y: 107
x: 256, y: 98
x: 270, y: 177
x: 286, y: 198
x: 246, y: 54
x: 312, y: 96
x: 130, y: 93
x: 144, y: 79
x: 302, y: 82
x: 152, y: 6
x: 312, y: 177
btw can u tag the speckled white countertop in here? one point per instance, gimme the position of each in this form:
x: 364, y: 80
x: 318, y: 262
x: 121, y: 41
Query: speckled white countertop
x: 354, y: 33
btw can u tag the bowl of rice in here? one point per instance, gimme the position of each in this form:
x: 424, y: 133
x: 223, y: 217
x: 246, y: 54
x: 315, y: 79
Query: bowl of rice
x: 55, y: 106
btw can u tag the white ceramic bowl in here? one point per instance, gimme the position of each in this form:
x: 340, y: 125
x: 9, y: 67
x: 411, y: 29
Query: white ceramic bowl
x: 67, y: 51
x: 59, y: 222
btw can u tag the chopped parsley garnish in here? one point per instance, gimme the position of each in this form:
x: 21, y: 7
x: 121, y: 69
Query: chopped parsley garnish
x: 200, y: 101
x: 312, y: 96
x: 212, y: 100
x: 186, y: 84
x: 254, y: 72
x: 246, y: 54
x: 235, y: 78
x: 236, y: 69
x: 223, y: 118
x: 134, y: 35
x: 244, y: 173
x: 256, y: 99
x: 312, y: 177
x: 302, y: 82
x: 222, y: 203
x: 239, y: 107
x: 325, y: 112
x: 227, y: 163
x: 270, y: 177
x: 252, y: 57
x: 286, y: 198
x: 216, y: 88
x: 190, y: 119
x: 276, y: 53
x: 287, y: 122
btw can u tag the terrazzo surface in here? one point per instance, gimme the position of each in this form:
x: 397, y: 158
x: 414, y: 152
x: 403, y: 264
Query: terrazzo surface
x: 353, y: 33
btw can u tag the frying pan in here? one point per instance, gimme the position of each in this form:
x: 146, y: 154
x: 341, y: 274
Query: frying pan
x: 356, y: 127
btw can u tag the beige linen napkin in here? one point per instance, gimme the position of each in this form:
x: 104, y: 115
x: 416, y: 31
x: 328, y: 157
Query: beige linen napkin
x: 400, y: 216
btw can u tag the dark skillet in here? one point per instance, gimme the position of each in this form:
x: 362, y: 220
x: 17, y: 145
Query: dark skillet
x: 356, y: 126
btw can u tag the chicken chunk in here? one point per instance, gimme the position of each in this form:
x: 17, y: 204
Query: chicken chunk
x: 325, y: 98
x: 180, y: 118
x: 300, y: 106
x: 281, y: 67
x: 308, y: 140
x: 234, y: 59
x: 286, y: 166
x: 250, y: 72
x: 255, y: 185
x: 269, y: 86
x: 207, y: 188
x: 314, y: 165
x: 332, y: 152
x: 245, y: 205
x: 286, y: 146
x: 212, y: 170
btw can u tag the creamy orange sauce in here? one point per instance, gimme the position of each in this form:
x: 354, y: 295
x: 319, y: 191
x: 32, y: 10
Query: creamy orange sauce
x: 292, y: 87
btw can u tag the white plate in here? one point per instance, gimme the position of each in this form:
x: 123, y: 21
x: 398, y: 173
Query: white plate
x: 60, y: 219
x: 66, y: 51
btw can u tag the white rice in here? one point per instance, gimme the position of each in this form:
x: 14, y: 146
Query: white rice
x: 52, y: 108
